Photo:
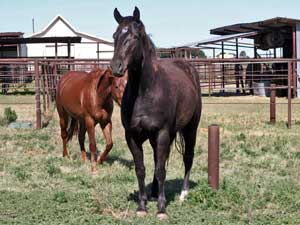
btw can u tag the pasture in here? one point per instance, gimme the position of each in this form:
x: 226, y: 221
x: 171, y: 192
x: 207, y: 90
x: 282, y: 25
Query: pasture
x: 259, y: 172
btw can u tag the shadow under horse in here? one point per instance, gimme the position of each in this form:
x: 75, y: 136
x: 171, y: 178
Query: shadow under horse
x: 161, y: 98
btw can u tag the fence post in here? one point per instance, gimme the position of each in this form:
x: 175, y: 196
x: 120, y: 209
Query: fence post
x: 213, y: 156
x: 37, y: 96
x: 273, y: 104
x: 209, y: 78
x: 289, y: 95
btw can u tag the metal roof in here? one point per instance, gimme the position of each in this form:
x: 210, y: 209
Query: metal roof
x: 4, y: 41
x: 11, y: 34
x: 258, y: 26
x: 219, y: 39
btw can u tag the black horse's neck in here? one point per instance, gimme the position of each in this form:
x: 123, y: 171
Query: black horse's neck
x: 140, y: 72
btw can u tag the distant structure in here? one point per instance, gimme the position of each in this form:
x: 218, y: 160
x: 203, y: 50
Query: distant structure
x: 90, y: 47
x: 12, y: 50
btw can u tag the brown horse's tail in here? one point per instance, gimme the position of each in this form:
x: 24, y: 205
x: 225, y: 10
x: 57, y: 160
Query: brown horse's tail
x: 179, y: 143
x: 72, y: 128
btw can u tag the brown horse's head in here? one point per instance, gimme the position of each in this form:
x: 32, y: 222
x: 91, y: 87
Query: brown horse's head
x: 128, y: 41
x: 118, y: 87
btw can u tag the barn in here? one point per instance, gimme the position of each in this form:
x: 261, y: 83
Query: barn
x: 90, y: 47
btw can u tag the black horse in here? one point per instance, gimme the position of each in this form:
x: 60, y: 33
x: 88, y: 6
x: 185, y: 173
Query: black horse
x: 162, y: 97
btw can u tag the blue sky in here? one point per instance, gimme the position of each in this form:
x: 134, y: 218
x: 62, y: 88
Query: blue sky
x: 169, y: 22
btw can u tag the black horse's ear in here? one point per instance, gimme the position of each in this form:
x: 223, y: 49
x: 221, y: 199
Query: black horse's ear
x: 136, y: 14
x: 118, y: 16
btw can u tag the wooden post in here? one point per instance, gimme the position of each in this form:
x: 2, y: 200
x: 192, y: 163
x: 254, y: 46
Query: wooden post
x: 294, y: 82
x: 209, y: 78
x: 223, y: 69
x: 56, y: 50
x: 98, y: 54
x: 289, y: 95
x: 213, y: 156
x: 273, y: 104
x: 237, y: 48
x: 44, y: 89
x: 37, y: 96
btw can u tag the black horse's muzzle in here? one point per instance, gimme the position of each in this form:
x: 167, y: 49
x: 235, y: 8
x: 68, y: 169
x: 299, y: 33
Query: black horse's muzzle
x: 118, y: 68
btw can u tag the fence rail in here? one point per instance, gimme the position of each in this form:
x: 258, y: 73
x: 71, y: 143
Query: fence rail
x: 218, y: 77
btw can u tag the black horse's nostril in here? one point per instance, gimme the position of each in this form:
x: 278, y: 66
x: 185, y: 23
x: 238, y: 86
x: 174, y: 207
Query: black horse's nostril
x: 120, y: 66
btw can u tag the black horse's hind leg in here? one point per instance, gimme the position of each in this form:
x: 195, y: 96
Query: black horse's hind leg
x: 162, y: 149
x: 138, y: 157
x: 189, y: 134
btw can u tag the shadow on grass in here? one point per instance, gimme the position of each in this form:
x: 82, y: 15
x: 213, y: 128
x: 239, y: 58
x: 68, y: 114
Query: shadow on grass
x: 172, y: 188
x: 112, y: 158
x: 125, y: 162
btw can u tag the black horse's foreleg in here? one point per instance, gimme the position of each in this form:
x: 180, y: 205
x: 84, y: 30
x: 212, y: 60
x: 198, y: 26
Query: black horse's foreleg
x: 138, y: 157
x: 163, y: 150
x: 154, y: 186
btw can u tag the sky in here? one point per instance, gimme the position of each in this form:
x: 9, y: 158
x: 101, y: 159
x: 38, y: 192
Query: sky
x: 170, y: 23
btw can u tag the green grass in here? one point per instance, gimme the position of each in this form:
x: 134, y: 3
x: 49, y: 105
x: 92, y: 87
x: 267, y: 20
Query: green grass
x: 259, y: 173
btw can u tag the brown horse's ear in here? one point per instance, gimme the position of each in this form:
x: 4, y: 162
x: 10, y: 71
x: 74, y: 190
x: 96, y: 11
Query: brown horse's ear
x: 105, y: 75
x: 136, y: 14
x: 118, y: 16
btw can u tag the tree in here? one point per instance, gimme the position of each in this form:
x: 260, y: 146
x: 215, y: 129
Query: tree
x: 198, y: 53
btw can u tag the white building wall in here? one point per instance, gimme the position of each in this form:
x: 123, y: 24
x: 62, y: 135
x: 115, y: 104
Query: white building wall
x: 87, y: 49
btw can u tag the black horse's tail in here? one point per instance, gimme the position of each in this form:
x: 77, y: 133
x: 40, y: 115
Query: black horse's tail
x: 179, y: 143
x: 72, y: 128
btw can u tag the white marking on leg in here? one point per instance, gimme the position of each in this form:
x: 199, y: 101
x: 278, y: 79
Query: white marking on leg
x: 183, y: 195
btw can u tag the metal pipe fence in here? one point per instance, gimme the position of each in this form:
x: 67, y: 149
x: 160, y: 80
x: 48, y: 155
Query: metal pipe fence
x: 39, y: 77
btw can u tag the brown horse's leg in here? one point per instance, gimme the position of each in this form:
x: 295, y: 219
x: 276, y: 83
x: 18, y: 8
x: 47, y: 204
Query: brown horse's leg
x: 106, y: 129
x: 81, y: 139
x: 63, y: 121
x: 90, y: 125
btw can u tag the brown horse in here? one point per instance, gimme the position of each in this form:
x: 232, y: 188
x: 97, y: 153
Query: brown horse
x: 118, y: 87
x: 83, y: 100
x: 161, y: 98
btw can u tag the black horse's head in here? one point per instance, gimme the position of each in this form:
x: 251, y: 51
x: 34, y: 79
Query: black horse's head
x: 127, y: 39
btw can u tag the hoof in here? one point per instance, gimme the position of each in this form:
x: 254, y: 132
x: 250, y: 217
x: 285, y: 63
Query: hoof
x: 83, y: 157
x: 183, y: 196
x: 141, y: 213
x: 162, y: 216
x: 94, y: 171
x: 100, y: 160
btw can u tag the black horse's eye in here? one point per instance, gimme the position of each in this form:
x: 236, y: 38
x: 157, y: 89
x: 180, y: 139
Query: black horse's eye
x: 124, y: 30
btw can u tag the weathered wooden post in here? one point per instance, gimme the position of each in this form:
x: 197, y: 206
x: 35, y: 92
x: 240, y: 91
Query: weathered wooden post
x: 289, y: 95
x: 273, y: 104
x: 209, y: 78
x: 213, y: 156
x: 37, y: 96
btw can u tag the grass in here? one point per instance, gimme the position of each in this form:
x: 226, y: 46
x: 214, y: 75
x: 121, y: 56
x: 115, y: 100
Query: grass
x: 259, y: 172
